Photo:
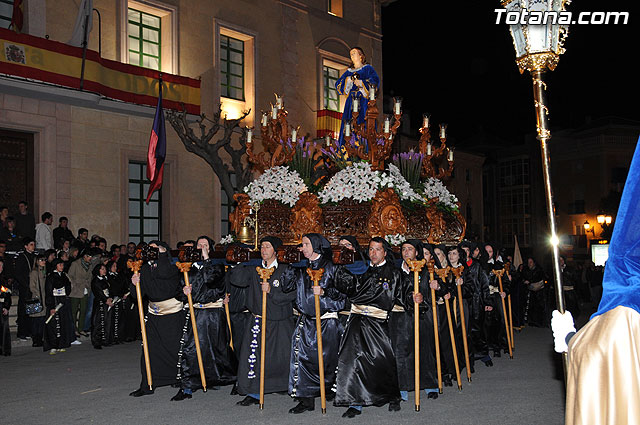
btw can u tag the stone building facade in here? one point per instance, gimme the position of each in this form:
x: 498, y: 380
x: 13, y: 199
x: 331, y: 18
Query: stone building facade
x: 78, y: 153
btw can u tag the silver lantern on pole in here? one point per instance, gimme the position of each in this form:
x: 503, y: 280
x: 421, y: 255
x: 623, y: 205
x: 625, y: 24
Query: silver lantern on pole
x: 538, y: 38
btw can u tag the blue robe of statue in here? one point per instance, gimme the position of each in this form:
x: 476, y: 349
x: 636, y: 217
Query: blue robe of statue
x: 368, y: 75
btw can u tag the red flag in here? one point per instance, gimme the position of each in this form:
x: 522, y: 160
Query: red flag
x: 157, y: 148
x: 17, y: 17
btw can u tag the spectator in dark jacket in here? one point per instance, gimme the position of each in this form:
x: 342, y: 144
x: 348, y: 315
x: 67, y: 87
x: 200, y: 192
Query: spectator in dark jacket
x: 24, y: 265
x: 25, y: 221
x: 62, y: 233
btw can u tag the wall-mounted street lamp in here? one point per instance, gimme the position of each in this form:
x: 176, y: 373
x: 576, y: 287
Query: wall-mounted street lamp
x: 589, y: 228
x: 604, y: 219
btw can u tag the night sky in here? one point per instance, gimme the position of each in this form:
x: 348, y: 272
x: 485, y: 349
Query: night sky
x: 456, y: 63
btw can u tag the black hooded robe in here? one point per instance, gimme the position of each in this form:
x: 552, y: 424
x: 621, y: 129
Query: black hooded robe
x: 280, y: 325
x: 428, y: 365
x: 219, y: 362
x: 59, y: 332
x: 304, y: 374
x: 367, y: 373
x: 101, y: 315
x: 118, y: 288
x: 160, y: 284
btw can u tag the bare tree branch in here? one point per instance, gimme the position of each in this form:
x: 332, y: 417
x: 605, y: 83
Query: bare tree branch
x: 203, y: 146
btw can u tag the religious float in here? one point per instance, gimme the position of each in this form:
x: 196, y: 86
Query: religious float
x: 342, y: 187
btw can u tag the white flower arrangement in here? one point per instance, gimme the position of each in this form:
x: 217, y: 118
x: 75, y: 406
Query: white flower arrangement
x: 395, y: 240
x: 402, y: 187
x: 227, y: 240
x: 278, y: 183
x: 434, y: 188
x: 358, y: 182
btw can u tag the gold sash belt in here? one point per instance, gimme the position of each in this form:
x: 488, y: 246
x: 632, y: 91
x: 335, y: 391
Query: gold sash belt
x: 368, y: 310
x: 162, y: 308
x: 216, y: 304
x: 397, y: 309
x: 327, y: 315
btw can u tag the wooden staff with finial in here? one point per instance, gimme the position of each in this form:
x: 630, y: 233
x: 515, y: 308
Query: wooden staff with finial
x: 431, y: 268
x: 264, y: 274
x: 315, y: 276
x: 135, y: 265
x: 457, y: 272
x: 499, y: 273
x: 507, y: 266
x: 443, y: 273
x: 184, y: 268
x: 416, y: 266
x: 226, y: 312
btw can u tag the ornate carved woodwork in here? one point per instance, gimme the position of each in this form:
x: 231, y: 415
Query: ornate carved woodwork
x: 306, y: 216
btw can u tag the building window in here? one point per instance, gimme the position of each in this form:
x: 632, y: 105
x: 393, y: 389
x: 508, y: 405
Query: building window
x: 6, y: 12
x: 231, y: 67
x: 330, y: 104
x: 151, y: 39
x: 334, y: 7
x: 235, y: 56
x: 226, y: 205
x: 144, y: 220
x: 144, y: 39
x: 514, y: 196
x: 514, y: 173
x: 511, y: 227
x: 330, y: 94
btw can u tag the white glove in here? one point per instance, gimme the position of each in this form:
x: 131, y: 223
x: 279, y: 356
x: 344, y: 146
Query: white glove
x: 561, y: 325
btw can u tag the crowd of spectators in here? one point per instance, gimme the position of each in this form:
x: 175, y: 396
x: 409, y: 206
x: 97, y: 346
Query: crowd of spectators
x: 533, y: 295
x: 30, y: 254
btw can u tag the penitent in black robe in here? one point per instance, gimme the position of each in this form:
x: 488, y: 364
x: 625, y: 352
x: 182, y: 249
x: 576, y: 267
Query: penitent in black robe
x: 428, y: 370
x: 367, y: 373
x: 101, y: 315
x: 118, y: 288
x: 304, y: 373
x: 160, y: 284
x: 493, y: 326
x: 238, y: 312
x: 280, y: 324
x: 219, y: 362
x: 59, y: 331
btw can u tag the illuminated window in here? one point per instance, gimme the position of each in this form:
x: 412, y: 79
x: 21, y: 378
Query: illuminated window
x: 231, y: 67
x: 235, y: 55
x: 144, y: 39
x: 334, y: 7
x: 151, y: 39
x: 330, y: 96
